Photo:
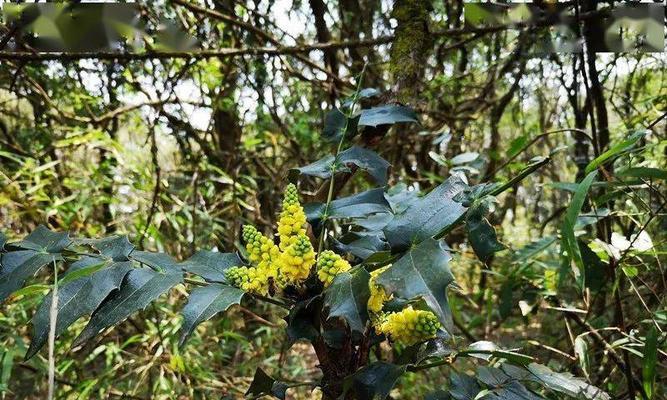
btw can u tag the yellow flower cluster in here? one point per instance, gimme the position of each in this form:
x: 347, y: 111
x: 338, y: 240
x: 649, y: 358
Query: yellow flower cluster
x: 295, y: 262
x: 292, y: 222
x: 261, y: 251
x: 330, y: 264
x: 273, y: 266
x: 378, y: 295
x: 409, y: 326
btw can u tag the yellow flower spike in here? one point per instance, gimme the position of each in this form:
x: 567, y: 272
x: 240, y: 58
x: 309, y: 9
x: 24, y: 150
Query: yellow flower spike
x: 292, y: 222
x: 252, y: 280
x: 409, y: 326
x: 295, y: 262
x: 378, y: 295
x: 261, y: 251
x: 330, y: 264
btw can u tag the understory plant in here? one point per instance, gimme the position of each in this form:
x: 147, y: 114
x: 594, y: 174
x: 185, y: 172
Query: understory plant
x: 364, y: 277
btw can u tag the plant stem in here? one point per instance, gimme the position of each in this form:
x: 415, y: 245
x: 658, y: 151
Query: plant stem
x: 332, y: 180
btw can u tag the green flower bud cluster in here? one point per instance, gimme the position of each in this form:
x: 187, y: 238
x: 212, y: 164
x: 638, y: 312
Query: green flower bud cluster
x: 330, y: 264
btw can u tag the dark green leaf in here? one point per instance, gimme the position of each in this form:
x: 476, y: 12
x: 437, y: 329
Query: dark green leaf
x: 557, y: 381
x: 356, y: 206
x: 422, y: 272
x: 643, y: 172
x: 481, y: 234
x: 158, y: 261
x: 335, y: 124
x: 205, y: 302
x: 45, y: 241
x: 362, y: 246
x: 359, y: 157
x: 463, y: 387
x: 437, y: 395
x: 426, y: 216
x: 615, y: 150
x: 650, y: 361
x: 373, y: 382
x: 534, y: 248
x: 569, y: 246
x: 502, y: 386
x: 76, y: 299
x: 117, y: 248
x: 386, y: 115
x: 347, y: 298
x: 595, y: 272
x: 211, y: 265
x: 263, y: 384
x: 303, y: 320
x: 3, y: 240
x: 140, y: 287
x: 17, y: 266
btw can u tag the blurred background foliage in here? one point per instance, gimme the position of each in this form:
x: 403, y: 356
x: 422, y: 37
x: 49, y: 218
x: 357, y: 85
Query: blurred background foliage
x: 179, y: 152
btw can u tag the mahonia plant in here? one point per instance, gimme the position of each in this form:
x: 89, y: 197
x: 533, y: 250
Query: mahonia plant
x: 290, y: 264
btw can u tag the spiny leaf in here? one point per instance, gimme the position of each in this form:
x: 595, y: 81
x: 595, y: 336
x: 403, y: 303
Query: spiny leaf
x: 211, y: 265
x: 463, y: 387
x: 359, y: 157
x: 558, y: 381
x: 335, y: 126
x: 356, y: 206
x: 46, y: 241
x: 422, y: 272
x: 117, y: 248
x: 303, y: 320
x: 481, y: 234
x: 205, y: 302
x: 140, y: 288
x: 17, y: 266
x: 426, y: 216
x: 347, y: 298
x: 503, y: 386
x: 362, y: 246
x: 263, y: 384
x: 77, y: 298
x: 374, y: 381
x: 158, y: 261
x: 387, y: 115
